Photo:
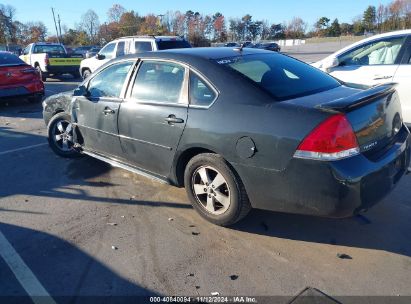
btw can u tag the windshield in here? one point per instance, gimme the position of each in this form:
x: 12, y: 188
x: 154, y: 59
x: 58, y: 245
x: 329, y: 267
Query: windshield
x: 282, y: 76
x: 54, y: 49
x: 173, y: 44
x: 7, y: 59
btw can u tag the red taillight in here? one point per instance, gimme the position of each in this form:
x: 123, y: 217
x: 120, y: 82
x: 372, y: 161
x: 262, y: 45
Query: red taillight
x: 333, y: 139
x: 46, y: 60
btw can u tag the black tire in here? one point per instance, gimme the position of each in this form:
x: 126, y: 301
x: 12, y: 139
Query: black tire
x: 86, y: 73
x: 35, y: 98
x: 43, y: 76
x: 57, y: 146
x: 239, y: 205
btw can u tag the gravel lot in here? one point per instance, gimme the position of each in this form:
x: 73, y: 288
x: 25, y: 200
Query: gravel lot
x: 72, y: 228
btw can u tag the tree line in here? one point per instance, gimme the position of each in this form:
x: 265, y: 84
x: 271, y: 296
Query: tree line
x: 199, y: 29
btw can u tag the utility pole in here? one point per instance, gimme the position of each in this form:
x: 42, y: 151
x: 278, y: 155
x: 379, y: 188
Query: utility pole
x: 59, y: 22
x: 55, y: 24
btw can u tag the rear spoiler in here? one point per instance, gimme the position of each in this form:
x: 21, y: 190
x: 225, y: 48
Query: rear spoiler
x: 360, y: 99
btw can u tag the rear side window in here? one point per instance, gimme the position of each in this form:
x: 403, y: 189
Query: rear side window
x: 172, y: 44
x: 142, y: 46
x: 159, y: 82
x: 50, y: 49
x: 7, y: 59
x: 281, y: 76
x: 120, y: 49
x: 201, y: 93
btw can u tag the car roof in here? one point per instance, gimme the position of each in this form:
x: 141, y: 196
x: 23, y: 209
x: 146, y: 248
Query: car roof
x: 212, y: 52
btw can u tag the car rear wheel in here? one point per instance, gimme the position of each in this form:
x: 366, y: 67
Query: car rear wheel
x: 60, y: 136
x: 215, y: 190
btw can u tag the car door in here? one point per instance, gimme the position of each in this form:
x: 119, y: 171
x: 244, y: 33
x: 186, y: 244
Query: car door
x: 154, y: 115
x: 403, y: 78
x: 96, y: 113
x: 372, y: 63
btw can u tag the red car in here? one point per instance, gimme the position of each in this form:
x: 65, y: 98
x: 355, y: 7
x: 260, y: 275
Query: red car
x: 18, y: 79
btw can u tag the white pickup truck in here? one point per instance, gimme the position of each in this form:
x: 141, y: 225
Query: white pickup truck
x: 51, y: 59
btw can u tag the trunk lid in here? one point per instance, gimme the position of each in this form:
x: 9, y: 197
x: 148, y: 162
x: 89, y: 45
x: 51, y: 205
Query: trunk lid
x: 374, y: 114
x: 17, y: 74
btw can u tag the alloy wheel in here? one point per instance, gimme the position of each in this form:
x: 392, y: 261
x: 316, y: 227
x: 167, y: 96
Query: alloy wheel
x: 63, y: 135
x: 211, y: 190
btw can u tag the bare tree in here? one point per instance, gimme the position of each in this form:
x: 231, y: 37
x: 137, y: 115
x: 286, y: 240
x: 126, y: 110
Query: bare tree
x: 90, y: 24
x: 115, y: 12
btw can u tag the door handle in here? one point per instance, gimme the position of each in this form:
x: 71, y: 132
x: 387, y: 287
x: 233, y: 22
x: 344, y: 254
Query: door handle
x: 107, y: 111
x: 381, y: 77
x: 172, y: 119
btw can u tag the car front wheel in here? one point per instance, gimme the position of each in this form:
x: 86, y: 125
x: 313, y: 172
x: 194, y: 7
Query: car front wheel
x: 60, y: 136
x: 215, y: 190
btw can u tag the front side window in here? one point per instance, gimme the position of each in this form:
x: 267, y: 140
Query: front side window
x: 382, y: 52
x: 142, y: 46
x: 159, y: 82
x: 108, y: 51
x: 281, y: 76
x: 26, y: 50
x: 201, y: 93
x: 110, y: 81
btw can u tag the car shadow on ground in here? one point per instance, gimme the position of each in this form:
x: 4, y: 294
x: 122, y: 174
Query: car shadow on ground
x: 67, y: 273
x: 386, y: 227
x: 53, y: 176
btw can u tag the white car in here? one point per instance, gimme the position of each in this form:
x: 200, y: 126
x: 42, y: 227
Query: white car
x: 130, y: 45
x: 376, y: 60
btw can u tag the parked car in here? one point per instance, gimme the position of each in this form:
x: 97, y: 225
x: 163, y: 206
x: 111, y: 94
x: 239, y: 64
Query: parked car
x: 18, y: 79
x: 12, y: 48
x: 92, y: 52
x: 271, y: 46
x: 239, y: 129
x: 82, y: 50
x: 379, y: 59
x: 231, y: 44
x: 51, y: 59
x: 130, y: 45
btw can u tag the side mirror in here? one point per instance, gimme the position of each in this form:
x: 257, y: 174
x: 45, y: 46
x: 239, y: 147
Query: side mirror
x: 330, y: 63
x: 100, y: 57
x: 80, y: 91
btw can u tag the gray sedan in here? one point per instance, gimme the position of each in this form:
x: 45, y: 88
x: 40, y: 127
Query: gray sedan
x: 239, y: 128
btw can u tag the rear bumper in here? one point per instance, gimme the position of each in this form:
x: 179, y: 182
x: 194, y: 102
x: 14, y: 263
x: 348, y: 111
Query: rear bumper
x: 63, y: 69
x: 331, y: 189
x: 22, y: 90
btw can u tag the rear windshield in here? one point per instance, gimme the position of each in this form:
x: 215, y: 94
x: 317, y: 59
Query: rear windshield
x: 52, y: 49
x: 282, y: 76
x: 7, y: 59
x: 172, y: 44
